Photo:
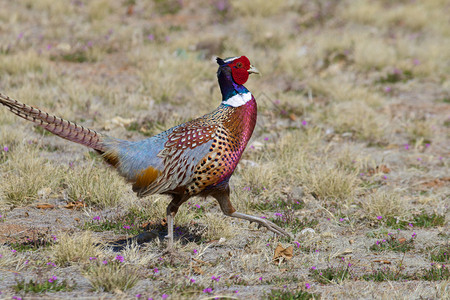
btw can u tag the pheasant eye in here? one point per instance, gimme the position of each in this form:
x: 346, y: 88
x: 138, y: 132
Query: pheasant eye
x: 239, y: 64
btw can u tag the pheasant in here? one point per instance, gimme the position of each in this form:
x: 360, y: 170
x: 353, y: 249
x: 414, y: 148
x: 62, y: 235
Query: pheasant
x: 196, y: 158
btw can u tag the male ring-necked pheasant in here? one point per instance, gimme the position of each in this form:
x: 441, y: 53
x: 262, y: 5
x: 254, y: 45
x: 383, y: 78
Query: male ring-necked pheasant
x: 194, y: 158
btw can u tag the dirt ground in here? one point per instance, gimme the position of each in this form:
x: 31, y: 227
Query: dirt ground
x: 350, y: 153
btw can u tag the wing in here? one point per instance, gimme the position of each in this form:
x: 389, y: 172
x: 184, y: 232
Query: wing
x: 167, y: 161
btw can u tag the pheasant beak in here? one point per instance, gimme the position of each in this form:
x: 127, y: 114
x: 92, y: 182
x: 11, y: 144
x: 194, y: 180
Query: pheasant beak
x: 252, y: 70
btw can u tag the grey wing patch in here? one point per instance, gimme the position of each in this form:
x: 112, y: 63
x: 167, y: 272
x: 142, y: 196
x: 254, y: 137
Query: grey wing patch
x: 179, y: 167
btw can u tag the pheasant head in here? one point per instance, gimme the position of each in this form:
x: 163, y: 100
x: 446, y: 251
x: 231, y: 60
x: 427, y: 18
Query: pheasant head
x: 232, y: 74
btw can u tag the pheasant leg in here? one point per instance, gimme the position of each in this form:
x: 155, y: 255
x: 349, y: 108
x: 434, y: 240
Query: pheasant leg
x: 223, y: 197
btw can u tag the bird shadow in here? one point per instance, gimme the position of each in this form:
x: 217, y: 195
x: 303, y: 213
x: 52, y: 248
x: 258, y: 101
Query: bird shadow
x: 182, y: 234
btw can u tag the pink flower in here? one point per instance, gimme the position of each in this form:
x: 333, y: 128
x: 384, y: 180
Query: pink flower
x: 164, y: 296
x: 192, y: 280
x: 54, y: 278
x: 207, y: 290
x: 151, y: 37
x: 195, y: 251
x: 304, y: 123
x: 313, y: 268
x: 119, y: 258
x: 215, y: 278
x: 96, y: 218
x: 266, y: 138
x: 388, y: 89
x: 406, y: 146
x: 155, y: 270
x: 105, y: 262
x: 126, y: 226
x: 379, y: 217
x: 6, y: 149
x: 307, y: 285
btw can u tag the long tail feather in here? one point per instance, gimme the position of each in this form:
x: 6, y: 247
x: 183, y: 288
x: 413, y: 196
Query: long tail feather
x: 63, y: 128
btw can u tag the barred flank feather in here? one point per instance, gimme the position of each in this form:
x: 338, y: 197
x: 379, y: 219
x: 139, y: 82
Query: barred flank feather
x: 63, y: 128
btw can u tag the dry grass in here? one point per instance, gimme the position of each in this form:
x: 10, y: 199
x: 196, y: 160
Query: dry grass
x: 95, y: 185
x: 385, y: 203
x: 352, y: 126
x: 111, y: 276
x: 75, y: 248
x: 25, y: 172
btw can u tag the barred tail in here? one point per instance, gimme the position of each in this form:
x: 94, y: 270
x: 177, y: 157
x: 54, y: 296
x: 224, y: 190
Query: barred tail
x: 60, y: 127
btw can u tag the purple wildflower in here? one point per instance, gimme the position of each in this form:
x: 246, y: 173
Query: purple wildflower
x: 105, y: 262
x: 119, y: 258
x: 304, y: 123
x: 379, y: 217
x: 192, y: 280
x: 164, y: 296
x: 406, y: 146
x: 6, y: 148
x: 207, y: 290
x: 195, y: 251
x: 266, y: 138
x: 313, y: 268
x: 155, y: 270
x: 126, y: 226
x: 151, y: 37
x: 92, y: 258
x: 215, y: 278
x: 307, y: 285
x: 96, y: 218
x: 54, y: 278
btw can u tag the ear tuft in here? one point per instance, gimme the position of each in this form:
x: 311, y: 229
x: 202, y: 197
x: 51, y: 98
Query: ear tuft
x: 220, y: 61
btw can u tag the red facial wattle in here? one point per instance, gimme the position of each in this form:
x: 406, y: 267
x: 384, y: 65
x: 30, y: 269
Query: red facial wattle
x: 239, y: 69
